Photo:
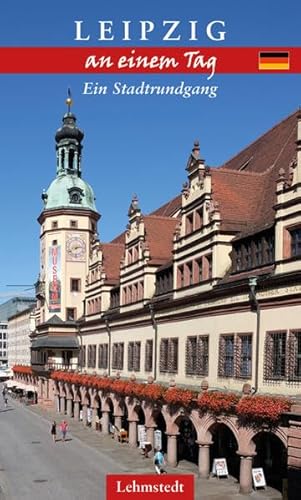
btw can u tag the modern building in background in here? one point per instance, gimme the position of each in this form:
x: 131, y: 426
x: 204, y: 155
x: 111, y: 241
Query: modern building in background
x: 14, y: 305
x: 3, y: 343
x: 20, y: 327
x: 203, y: 293
x: 8, y: 309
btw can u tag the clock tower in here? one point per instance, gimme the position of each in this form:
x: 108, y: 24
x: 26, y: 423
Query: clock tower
x: 68, y: 225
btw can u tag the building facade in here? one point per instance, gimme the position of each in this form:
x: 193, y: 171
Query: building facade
x: 20, y: 327
x: 201, y: 295
x: 3, y: 343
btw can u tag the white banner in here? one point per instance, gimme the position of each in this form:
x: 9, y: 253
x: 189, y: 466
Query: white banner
x: 141, y: 435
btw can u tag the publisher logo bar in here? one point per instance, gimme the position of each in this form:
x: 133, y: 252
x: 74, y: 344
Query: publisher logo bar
x: 177, y: 60
x: 150, y: 487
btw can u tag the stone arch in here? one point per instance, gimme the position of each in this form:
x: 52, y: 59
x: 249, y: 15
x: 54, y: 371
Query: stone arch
x: 134, y: 410
x: 85, y: 397
x: 270, y: 453
x: 62, y: 389
x: 160, y: 421
x: 187, y: 448
x: 225, y: 443
x: 95, y: 400
x: 69, y: 392
x: 107, y: 406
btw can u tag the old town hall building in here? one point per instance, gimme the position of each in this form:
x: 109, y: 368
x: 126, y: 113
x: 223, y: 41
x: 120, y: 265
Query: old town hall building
x: 202, y: 294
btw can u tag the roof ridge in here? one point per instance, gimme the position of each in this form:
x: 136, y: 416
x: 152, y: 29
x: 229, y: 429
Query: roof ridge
x: 260, y: 137
x: 222, y: 170
x: 112, y: 244
x: 163, y: 217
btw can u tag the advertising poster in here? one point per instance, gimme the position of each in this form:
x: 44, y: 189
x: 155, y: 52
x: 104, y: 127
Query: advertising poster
x: 54, y: 271
x: 115, y: 117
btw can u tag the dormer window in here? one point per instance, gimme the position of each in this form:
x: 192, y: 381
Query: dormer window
x: 76, y: 195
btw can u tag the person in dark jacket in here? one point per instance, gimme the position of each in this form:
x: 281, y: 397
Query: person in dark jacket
x: 53, y: 431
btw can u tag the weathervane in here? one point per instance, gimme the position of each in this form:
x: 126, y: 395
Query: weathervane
x: 69, y: 101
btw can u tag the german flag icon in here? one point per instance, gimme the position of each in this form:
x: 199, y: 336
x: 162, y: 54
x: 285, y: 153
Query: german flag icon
x: 273, y: 60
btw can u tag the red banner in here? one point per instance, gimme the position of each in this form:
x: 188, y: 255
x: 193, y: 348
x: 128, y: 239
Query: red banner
x: 150, y: 487
x: 102, y: 60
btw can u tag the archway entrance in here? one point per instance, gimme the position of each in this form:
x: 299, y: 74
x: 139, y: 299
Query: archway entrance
x: 225, y: 446
x: 272, y: 457
x: 187, y: 446
x: 161, y: 426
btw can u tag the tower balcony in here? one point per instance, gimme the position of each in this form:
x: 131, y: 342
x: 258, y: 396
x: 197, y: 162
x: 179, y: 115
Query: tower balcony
x: 40, y: 289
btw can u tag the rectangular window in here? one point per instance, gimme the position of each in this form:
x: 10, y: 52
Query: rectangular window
x: 173, y: 355
x: 199, y: 264
x: 203, y: 355
x: 245, y: 356
x: 92, y: 356
x: 295, y: 242
x: 189, y: 223
x: 238, y: 259
x: 148, y: 355
x: 207, y: 262
x: 83, y: 356
x: 73, y: 223
x: 295, y: 354
x: 279, y: 353
x: 164, y: 355
x: 117, y: 356
x: 103, y: 356
x: 134, y: 349
x: 226, y: 356
x: 270, y: 249
x: 75, y: 285
x: 54, y: 224
x: 258, y: 252
x: 199, y: 218
x: 70, y: 314
x: 275, y: 355
x: 191, y: 355
x: 189, y: 273
x: 180, y: 276
x: 247, y: 256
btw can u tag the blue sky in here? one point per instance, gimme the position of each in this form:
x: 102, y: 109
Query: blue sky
x: 133, y: 144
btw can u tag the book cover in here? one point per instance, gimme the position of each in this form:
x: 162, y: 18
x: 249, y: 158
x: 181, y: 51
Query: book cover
x: 149, y: 85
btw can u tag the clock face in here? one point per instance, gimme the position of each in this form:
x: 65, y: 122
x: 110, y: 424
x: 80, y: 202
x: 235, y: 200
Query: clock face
x: 75, y: 248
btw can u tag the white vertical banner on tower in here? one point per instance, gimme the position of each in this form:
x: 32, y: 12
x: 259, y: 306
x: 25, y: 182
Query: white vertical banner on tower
x: 54, y: 273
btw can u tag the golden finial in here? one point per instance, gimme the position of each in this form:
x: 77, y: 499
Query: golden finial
x: 69, y: 101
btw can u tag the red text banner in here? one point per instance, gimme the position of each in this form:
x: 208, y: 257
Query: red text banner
x: 150, y: 487
x: 129, y: 60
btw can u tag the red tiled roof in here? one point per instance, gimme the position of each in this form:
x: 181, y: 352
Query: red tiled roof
x: 112, y: 254
x: 244, y: 188
x: 159, y: 236
x: 275, y: 148
x: 237, y: 194
x: 170, y: 208
x: 263, y: 158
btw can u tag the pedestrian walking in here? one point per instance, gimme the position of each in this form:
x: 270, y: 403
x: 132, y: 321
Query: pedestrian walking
x: 53, y: 431
x: 5, y: 401
x: 159, y: 462
x: 64, y: 428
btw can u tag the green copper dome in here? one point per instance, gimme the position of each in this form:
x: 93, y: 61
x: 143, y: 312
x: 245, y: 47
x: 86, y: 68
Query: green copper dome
x: 69, y: 191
